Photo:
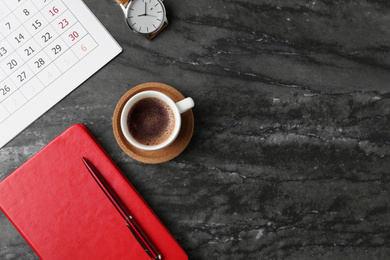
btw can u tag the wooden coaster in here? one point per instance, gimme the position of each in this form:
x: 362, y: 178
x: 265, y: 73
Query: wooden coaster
x: 167, y: 153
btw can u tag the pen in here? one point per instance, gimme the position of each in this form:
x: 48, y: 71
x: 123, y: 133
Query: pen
x: 130, y: 222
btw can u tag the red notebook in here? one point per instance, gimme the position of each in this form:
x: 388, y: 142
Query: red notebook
x: 62, y: 213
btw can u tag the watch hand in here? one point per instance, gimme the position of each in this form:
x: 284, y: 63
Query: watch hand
x: 145, y: 8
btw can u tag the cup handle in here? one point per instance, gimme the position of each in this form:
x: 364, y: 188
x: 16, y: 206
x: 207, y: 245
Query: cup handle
x: 185, y: 104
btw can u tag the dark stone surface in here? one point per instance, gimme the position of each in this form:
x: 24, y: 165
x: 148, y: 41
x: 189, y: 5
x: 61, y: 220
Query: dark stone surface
x: 290, y: 156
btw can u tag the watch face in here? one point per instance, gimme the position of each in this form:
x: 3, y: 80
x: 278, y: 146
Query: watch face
x: 146, y: 16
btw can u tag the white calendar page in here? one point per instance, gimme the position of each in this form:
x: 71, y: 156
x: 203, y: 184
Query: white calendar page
x: 47, y: 49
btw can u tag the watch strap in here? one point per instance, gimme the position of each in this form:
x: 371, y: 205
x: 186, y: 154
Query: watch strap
x: 151, y: 36
x: 123, y: 2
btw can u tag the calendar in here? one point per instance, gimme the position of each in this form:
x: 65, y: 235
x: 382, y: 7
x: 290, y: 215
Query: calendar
x: 47, y: 49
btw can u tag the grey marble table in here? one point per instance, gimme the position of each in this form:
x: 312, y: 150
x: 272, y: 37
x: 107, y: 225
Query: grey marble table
x: 290, y: 155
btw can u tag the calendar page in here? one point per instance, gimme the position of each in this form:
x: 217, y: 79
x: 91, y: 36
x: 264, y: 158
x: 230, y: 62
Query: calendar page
x: 47, y: 49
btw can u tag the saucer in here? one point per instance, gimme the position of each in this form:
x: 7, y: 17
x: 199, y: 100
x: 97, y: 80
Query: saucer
x: 167, y: 153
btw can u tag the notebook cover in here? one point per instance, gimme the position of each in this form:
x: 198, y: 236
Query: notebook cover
x: 62, y: 213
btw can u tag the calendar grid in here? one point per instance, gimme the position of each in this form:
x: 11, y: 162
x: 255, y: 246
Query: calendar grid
x: 59, y: 41
x: 40, y: 90
x: 10, y: 112
x: 47, y: 49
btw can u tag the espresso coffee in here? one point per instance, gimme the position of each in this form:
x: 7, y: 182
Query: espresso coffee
x: 150, y: 121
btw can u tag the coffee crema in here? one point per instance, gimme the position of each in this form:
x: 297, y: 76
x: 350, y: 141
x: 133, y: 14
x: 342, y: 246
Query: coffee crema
x: 150, y: 121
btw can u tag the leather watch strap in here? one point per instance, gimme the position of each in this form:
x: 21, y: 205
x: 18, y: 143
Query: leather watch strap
x: 123, y: 2
x: 155, y: 34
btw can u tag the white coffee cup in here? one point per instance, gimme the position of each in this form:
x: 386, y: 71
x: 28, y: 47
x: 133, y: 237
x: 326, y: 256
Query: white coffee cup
x: 177, y: 108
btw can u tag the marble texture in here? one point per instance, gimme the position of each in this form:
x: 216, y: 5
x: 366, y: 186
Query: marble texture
x: 290, y: 155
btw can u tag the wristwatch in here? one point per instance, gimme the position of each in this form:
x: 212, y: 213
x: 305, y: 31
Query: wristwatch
x: 146, y: 17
